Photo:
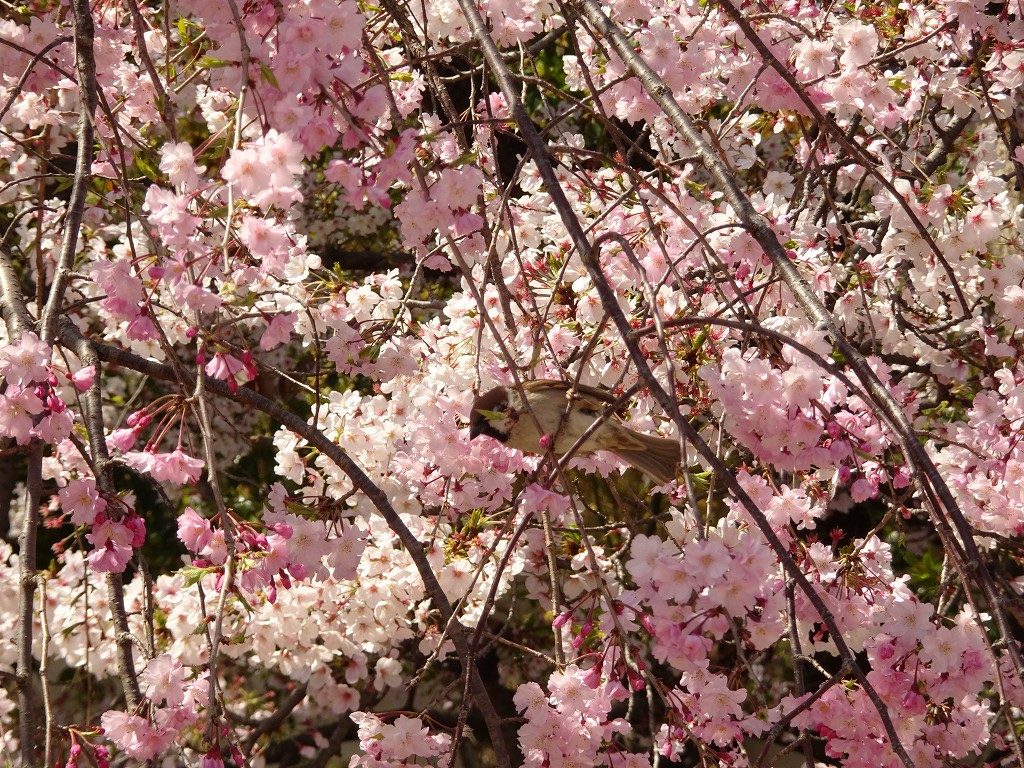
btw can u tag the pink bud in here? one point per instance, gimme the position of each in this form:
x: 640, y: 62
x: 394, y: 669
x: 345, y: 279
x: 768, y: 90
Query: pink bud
x: 133, y: 418
x: 647, y: 624
x: 545, y: 441
x: 84, y: 378
x: 212, y: 759
x: 191, y: 333
x: 561, y: 619
x: 138, y: 528
x: 913, y: 702
x: 636, y: 681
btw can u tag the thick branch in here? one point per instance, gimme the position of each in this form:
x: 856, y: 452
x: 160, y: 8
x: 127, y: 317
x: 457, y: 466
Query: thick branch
x: 85, y: 64
x: 26, y: 597
x: 12, y: 301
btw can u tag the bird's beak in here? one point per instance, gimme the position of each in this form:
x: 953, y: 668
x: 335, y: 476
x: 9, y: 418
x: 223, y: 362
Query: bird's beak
x: 477, y: 429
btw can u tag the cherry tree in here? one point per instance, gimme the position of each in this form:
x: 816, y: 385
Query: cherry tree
x: 258, y: 259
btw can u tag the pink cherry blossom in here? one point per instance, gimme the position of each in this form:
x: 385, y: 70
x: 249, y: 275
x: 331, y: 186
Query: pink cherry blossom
x: 25, y: 361
x: 164, y: 678
x: 177, y: 161
x: 174, y: 467
x: 194, y: 530
x: 83, y: 378
x: 113, y: 542
x: 135, y: 735
x: 17, y: 407
x: 82, y: 501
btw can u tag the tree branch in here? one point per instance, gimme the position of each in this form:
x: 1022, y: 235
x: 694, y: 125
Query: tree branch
x: 85, y: 64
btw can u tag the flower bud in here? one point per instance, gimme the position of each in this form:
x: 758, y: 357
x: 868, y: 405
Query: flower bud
x: 636, y: 680
x: 647, y: 623
x: 561, y: 619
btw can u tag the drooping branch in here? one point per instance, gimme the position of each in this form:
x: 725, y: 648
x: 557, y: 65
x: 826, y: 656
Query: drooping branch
x: 942, y: 514
x: 362, y: 483
x: 16, y: 90
x: 71, y: 337
x: 26, y: 595
x: 847, y: 142
x: 582, y: 245
x: 667, y: 401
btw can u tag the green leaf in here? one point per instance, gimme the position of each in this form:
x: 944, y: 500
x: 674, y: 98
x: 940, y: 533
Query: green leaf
x: 268, y: 75
x: 147, y: 167
x: 194, y: 575
x: 492, y: 415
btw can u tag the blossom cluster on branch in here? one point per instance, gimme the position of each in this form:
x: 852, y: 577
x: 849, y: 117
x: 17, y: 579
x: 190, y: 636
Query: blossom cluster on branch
x: 259, y: 258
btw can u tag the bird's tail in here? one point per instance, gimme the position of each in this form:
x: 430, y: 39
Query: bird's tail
x: 657, y: 457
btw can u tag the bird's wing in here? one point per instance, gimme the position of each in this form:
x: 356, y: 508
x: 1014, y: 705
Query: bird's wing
x: 593, y: 399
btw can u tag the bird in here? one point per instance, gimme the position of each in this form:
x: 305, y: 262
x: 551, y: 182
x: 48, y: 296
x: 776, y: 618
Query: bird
x: 562, y: 412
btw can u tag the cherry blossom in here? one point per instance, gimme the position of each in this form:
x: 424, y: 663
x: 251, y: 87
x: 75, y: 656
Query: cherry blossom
x: 25, y: 362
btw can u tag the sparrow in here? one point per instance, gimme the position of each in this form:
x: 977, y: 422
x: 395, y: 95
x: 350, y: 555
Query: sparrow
x: 563, y: 412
